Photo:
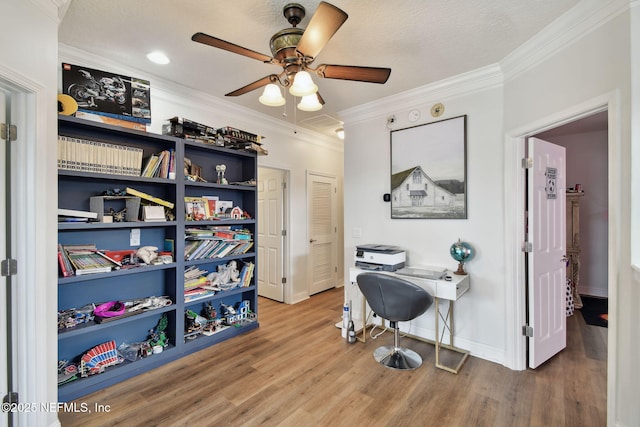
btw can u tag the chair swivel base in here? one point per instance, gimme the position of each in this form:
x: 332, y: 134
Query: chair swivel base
x: 397, y: 358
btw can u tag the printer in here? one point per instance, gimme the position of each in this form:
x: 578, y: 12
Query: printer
x: 380, y: 257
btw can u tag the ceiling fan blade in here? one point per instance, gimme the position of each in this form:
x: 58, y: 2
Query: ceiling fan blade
x: 272, y: 78
x: 323, y: 25
x: 234, y: 48
x: 350, y: 72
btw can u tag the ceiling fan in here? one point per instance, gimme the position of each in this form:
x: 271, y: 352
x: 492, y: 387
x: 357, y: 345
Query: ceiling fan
x: 294, y: 49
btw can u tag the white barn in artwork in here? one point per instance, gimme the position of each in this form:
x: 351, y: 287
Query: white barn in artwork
x: 413, y: 187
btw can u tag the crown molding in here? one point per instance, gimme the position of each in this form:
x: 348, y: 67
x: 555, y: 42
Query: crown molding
x: 585, y: 17
x: 177, y: 94
x: 462, y: 84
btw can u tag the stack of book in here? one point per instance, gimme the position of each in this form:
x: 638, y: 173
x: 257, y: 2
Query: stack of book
x: 246, y: 274
x: 196, y: 285
x: 100, y: 157
x: 161, y: 165
x: 204, y: 247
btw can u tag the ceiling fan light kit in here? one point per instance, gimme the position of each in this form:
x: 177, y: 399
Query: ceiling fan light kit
x: 272, y: 96
x: 303, y: 85
x: 309, y: 103
x: 294, y: 49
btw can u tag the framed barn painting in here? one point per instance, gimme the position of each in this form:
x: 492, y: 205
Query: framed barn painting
x: 429, y: 170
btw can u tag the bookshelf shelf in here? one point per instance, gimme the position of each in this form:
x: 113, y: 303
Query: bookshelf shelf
x: 117, y: 373
x: 219, y: 295
x: 113, y: 275
x: 92, y: 326
x: 75, y: 187
x: 98, y: 176
x: 99, y: 225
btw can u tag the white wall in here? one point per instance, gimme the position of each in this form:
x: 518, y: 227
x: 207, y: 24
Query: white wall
x: 479, y: 317
x: 294, y: 149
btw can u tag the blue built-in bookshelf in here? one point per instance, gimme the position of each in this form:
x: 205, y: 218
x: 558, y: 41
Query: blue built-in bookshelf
x: 76, y: 186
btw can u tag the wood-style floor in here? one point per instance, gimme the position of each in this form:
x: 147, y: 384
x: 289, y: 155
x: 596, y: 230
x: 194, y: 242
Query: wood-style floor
x: 295, y: 370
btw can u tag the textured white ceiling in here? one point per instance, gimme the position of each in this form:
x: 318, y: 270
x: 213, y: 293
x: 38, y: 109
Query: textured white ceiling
x: 422, y: 41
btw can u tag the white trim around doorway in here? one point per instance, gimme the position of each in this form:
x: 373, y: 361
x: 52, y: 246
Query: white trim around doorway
x: 515, y: 351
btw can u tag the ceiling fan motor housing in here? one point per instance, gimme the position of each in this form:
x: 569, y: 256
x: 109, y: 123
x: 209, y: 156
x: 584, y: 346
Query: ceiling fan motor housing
x: 294, y: 12
x: 283, y: 44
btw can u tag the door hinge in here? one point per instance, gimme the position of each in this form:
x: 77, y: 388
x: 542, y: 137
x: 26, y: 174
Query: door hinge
x: 10, y: 398
x: 527, y: 163
x: 284, y: 233
x: 284, y: 280
x: 8, y: 133
x: 8, y: 267
x: 284, y: 185
x: 527, y: 247
x: 527, y: 331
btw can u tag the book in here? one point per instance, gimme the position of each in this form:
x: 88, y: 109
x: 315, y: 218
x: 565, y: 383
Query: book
x: 148, y: 168
x: 66, y: 269
x: 211, y: 202
x: 196, y: 208
x: 77, y: 214
x: 86, y: 259
x: 148, y: 197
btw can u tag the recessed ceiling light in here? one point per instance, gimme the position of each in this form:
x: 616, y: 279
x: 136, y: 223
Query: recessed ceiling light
x: 158, y: 57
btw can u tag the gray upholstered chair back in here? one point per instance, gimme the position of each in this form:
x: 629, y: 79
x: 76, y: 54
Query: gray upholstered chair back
x: 393, y: 298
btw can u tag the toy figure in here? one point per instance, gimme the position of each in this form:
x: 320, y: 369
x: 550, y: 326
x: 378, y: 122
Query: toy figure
x: 157, y: 335
x: 220, y: 170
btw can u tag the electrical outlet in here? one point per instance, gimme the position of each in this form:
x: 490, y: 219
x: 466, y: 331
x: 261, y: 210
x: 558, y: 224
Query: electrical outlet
x: 134, y: 237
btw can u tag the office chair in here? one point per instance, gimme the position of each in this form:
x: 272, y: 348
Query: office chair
x: 396, y: 300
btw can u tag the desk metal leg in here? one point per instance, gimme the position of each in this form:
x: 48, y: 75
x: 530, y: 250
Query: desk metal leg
x: 448, y: 325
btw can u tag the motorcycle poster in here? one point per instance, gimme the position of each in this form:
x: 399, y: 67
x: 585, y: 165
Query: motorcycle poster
x: 107, y: 94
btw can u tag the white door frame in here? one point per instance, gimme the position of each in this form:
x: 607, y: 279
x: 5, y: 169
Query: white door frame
x: 33, y: 238
x: 515, y: 315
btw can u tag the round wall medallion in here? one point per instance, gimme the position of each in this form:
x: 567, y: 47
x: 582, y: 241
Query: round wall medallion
x: 437, y: 110
x: 414, y: 115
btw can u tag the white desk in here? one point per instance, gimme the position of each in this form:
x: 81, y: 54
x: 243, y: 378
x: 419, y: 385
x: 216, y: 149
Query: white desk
x: 449, y: 290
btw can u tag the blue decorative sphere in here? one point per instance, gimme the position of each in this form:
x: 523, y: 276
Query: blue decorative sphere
x: 461, y: 251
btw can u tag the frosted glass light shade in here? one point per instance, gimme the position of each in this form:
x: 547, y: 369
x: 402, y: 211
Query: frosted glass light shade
x: 303, y: 85
x: 272, y: 96
x: 309, y: 103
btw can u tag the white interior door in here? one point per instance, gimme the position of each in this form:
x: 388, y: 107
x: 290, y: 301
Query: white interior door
x: 271, y: 189
x: 546, y: 266
x: 322, y: 264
